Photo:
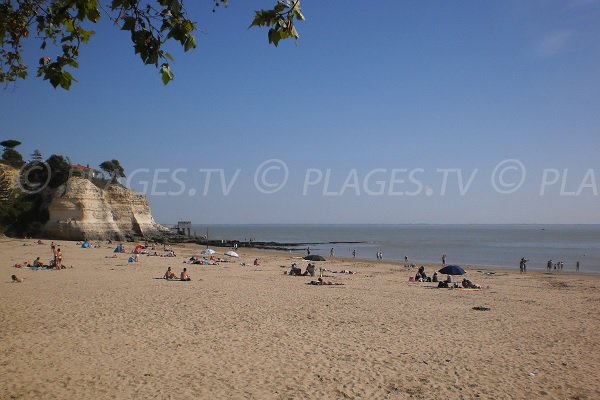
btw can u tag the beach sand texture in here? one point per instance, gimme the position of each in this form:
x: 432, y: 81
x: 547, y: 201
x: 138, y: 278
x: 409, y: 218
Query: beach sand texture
x: 107, y: 329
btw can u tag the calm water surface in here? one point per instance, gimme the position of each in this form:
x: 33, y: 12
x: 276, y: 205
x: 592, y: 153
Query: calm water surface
x: 470, y: 245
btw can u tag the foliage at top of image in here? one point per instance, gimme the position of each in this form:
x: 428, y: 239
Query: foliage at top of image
x: 62, y: 26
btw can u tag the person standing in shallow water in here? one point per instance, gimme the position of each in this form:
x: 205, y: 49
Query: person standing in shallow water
x: 443, y: 260
x: 577, y: 267
x: 353, y: 253
x: 331, y: 253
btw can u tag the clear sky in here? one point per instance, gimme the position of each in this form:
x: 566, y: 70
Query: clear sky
x: 376, y: 113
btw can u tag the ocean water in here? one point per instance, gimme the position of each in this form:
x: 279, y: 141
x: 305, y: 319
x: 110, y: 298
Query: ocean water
x: 468, y: 245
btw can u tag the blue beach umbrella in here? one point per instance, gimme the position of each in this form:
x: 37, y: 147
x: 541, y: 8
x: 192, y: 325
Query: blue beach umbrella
x: 452, y: 270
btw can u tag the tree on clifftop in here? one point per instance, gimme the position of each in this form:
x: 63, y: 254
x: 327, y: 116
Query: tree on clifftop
x: 62, y: 26
x: 114, y: 169
x: 10, y: 156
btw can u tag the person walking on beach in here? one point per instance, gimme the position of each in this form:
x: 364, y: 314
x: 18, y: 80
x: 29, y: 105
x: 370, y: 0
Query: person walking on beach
x: 406, y: 261
x: 521, y: 262
x: 331, y: 253
x: 577, y: 267
x: 525, y: 265
x: 549, y: 265
x: 443, y: 260
x: 354, y: 253
x: 307, y: 250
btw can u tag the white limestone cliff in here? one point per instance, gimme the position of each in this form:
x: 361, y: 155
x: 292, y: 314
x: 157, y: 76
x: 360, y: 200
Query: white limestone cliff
x: 81, y: 210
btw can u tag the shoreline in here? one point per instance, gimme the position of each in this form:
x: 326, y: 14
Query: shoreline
x: 283, y: 252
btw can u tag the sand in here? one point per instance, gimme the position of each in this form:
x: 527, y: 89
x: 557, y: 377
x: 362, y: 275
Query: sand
x: 108, y: 330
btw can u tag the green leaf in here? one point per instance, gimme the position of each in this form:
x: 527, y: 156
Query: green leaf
x: 128, y: 24
x: 274, y: 37
x: 190, y: 43
x: 299, y: 14
x: 116, y: 4
x: 166, y: 74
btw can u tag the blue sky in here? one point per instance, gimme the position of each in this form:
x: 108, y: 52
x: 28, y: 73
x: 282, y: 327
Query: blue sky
x: 371, y: 86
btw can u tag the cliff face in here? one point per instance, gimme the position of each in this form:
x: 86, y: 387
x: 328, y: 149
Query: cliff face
x: 80, y: 210
x: 10, y: 174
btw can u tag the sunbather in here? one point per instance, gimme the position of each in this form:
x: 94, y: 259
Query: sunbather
x: 469, y: 285
x: 310, y: 270
x: 295, y: 271
x: 321, y: 281
x: 185, y: 276
x: 17, y: 279
x: 169, y: 274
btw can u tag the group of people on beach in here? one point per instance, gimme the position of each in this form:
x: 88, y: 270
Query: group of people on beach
x: 550, y: 265
x: 559, y: 265
x: 170, y: 275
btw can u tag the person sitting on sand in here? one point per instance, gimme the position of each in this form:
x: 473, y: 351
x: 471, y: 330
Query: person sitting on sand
x: 448, y: 279
x: 37, y: 263
x: 169, y: 274
x: 185, y: 276
x: 17, y: 279
x: 256, y: 262
x: 295, y: 271
x: 434, y: 278
x: 467, y: 284
x: 310, y: 270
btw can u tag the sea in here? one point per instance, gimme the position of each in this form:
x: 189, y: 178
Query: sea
x: 500, y: 246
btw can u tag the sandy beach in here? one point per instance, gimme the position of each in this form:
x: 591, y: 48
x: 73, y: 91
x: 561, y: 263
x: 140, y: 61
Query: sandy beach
x: 108, y: 329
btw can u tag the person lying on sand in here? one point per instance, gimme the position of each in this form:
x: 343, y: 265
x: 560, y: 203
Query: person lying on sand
x: 113, y: 256
x: 320, y: 281
x: 185, y: 276
x: 21, y: 265
x: 17, y: 279
x: 344, y: 271
x: 169, y: 274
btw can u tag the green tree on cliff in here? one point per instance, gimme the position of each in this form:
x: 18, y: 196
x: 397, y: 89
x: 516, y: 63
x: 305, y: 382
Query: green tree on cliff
x: 62, y: 26
x: 114, y: 169
x: 36, y: 156
x: 10, y: 156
